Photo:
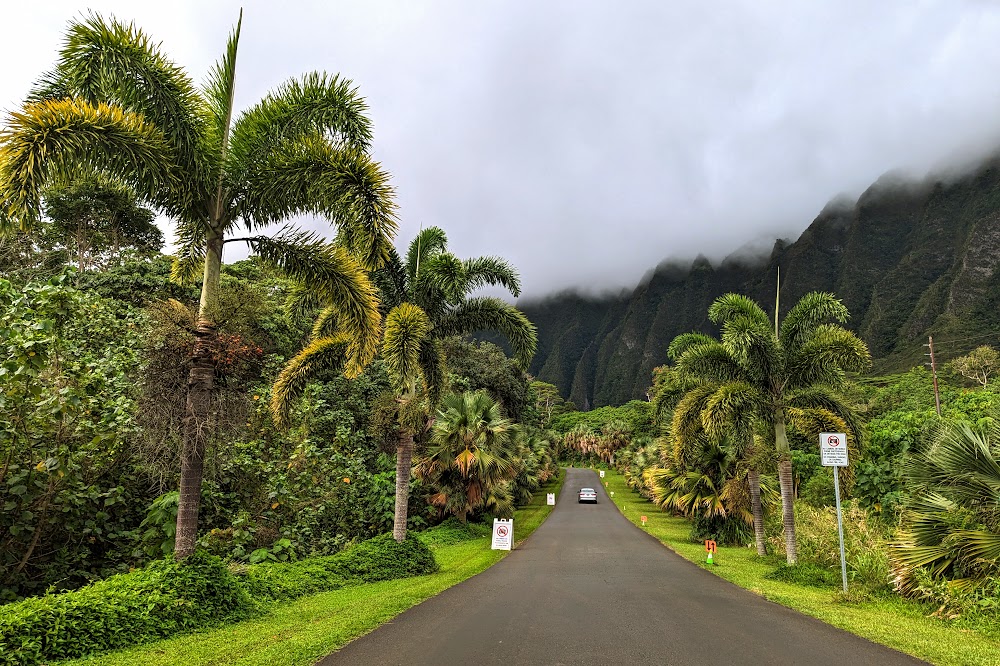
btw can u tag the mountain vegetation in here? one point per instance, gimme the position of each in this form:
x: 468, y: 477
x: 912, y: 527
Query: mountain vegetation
x: 908, y: 259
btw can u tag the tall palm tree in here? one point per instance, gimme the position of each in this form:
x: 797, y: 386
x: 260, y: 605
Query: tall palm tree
x: 688, y: 397
x: 425, y: 298
x: 471, y: 453
x: 770, y: 373
x: 117, y: 105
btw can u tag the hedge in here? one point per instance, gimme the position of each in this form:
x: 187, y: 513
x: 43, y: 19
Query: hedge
x: 168, y: 597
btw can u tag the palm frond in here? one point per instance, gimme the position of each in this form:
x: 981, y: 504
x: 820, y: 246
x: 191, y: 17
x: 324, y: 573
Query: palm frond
x: 729, y: 306
x: 710, y: 362
x: 733, y: 405
x: 490, y: 272
x: 326, y: 353
x: 219, y: 91
x: 316, y: 105
x: 432, y: 367
x: 685, y: 341
x: 52, y: 139
x: 754, y: 347
x: 189, y: 259
x: 406, y: 328
x: 809, y: 312
x: 493, y: 314
x: 109, y: 62
x: 427, y: 243
x: 826, y: 354
x: 339, y: 281
x: 345, y: 186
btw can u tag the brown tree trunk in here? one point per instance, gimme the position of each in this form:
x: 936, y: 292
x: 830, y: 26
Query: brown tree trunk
x: 404, y: 462
x: 753, y: 478
x: 201, y: 384
x: 788, y: 510
x: 200, y: 390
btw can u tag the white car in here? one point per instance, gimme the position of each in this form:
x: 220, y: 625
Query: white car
x: 588, y: 495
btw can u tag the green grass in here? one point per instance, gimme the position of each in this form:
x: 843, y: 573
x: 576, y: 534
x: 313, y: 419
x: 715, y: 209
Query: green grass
x: 301, y: 632
x: 889, y: 620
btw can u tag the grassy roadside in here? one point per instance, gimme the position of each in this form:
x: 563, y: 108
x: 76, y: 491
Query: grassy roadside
x: 301, y: 632
x: 890, y: 621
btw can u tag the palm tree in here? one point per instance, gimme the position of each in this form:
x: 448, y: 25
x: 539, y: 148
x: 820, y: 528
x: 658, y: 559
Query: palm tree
x: 117, y: 105
x: 950, y: 528
x: 471, y: 453
x: 688, y: 397
x: 425, y: 298
x: 765, y: 374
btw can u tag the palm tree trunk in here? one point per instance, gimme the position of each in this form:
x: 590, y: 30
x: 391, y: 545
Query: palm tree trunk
x: 201, y: 386
x: 787, y: 491
x: 404, y: 462
x: 753, y: 478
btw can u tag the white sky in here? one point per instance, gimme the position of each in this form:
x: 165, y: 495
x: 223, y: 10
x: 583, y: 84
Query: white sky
x: 586, y: 142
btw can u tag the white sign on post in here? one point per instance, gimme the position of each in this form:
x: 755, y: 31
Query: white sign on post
x: 602, y: 473
x: 503, y: 533
x: 550, y: 499
x: 833, y: 449
x: 833, y: 453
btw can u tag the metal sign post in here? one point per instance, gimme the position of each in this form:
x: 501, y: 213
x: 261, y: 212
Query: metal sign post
x: 833, y: 453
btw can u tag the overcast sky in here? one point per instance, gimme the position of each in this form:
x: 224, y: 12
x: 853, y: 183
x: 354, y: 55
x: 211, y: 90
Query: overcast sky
x: 587, y: 141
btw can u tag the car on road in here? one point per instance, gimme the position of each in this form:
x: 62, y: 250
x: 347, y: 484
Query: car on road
x: 588, y: 495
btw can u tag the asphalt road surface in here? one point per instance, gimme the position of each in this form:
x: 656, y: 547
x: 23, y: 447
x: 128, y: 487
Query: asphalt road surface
x: 588, y: 587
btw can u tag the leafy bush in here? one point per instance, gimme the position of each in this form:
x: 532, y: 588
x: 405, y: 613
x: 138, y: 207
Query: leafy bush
x: 453, y: 531
x: 950, y: 523
x: 381, y: 558
x: 160, y: 600
x: 168, y: 597
x: 865, y: 542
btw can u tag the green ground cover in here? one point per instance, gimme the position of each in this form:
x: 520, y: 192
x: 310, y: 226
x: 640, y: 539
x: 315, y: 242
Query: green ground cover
x: 301, y: 632
x: 889, y: 620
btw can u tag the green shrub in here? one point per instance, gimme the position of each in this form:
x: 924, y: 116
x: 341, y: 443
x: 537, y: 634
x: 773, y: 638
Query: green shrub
x: 453, y: 531
x: 381, y: 558
x: 169, y: 597
x: 865, y: 542
x: 159, y: 600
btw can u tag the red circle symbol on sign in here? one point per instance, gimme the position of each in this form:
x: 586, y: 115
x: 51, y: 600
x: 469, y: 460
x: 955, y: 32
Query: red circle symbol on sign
x: 833, y: 441
x: 502, y: 531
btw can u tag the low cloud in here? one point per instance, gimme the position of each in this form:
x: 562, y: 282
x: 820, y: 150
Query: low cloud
x: 587, y: 141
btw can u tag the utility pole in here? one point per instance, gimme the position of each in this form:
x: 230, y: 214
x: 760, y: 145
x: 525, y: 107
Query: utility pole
x: 937, y: 395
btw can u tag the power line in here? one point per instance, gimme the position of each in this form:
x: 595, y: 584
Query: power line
x: 972, y: 337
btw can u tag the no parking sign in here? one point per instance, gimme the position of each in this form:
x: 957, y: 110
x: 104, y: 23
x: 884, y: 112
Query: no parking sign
x: 503, y: 533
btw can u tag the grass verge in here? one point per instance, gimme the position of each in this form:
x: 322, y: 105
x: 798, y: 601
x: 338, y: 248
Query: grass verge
x: 302, y: 631
x: 889, y: 620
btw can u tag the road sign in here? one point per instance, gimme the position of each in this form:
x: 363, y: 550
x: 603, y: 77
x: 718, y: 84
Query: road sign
x: 503, y: 533
x: 602, y: 473
x: 550, y: 499
x: 833, y: 449
x: 833, y: 453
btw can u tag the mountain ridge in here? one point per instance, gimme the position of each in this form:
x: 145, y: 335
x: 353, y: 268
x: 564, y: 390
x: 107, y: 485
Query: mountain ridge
x: 909, y: 258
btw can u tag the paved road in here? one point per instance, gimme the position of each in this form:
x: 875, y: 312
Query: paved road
x: 588, y: 587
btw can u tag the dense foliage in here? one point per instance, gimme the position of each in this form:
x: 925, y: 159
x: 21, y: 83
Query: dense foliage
x: 169, y: 596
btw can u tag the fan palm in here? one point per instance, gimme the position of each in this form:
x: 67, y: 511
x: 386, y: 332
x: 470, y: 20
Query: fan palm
x: 471, y: 453
x: 764, y: 374
x: 116, y: 104
x: 951, y: 520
